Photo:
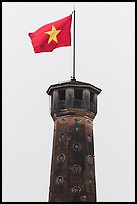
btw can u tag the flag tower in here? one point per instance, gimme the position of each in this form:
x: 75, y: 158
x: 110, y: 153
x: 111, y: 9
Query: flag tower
x: 73, y: 109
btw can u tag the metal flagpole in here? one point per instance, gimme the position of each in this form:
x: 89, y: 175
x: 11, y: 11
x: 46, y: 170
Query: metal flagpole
x: 73, y: 78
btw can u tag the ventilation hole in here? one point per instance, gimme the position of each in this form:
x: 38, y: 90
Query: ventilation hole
x: 90, y: 159
x: 62, y: 137
x: 61, y: 158
x: 77, y: 147
x: 60, y: 180
x: 76, y: 169
x: 62, y: 120
x: 89, y: 138
x: 76, y: 189
x: 77, y: 120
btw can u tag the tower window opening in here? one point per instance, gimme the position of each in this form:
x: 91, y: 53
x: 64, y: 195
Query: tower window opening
x: 91, y: 96
x: 78, y: 94
x: 92, y: 102
x: 62, y: 94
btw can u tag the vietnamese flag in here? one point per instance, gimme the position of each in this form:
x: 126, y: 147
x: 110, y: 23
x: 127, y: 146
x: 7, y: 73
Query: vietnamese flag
x: 52, y: 35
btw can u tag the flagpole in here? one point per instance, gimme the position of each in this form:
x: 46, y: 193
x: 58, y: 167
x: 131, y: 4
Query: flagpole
x: 73, y: 78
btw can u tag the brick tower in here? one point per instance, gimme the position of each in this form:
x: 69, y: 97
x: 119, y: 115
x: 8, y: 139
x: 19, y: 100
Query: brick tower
x: 73, y: 109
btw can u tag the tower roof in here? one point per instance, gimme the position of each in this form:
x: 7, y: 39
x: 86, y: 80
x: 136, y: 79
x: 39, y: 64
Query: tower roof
x: 73, y: 83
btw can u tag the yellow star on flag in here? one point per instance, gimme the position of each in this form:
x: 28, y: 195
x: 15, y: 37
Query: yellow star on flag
x: 53, y: 34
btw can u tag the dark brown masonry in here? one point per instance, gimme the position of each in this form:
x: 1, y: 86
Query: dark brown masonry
x: 73, y: 109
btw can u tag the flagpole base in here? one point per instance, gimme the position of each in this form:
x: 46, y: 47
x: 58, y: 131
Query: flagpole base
x: 73, y: 79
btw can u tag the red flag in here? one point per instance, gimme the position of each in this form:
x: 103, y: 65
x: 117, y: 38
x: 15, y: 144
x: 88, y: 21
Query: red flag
x: 52, y: 35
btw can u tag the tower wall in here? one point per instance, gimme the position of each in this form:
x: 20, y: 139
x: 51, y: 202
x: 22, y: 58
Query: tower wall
x: 73, y: 168
x: 73, y: 109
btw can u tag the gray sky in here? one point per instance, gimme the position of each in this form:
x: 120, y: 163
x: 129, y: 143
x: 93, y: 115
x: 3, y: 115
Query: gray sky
x: 105, y: 38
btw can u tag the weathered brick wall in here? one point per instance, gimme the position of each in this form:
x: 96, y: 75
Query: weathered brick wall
x: 73, y: 168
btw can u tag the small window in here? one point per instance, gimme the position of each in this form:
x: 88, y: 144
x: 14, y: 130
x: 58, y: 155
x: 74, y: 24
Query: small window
x: 78, y: 94
x: 62, y: 94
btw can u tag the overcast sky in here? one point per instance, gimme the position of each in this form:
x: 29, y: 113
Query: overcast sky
x: 105, y: 54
